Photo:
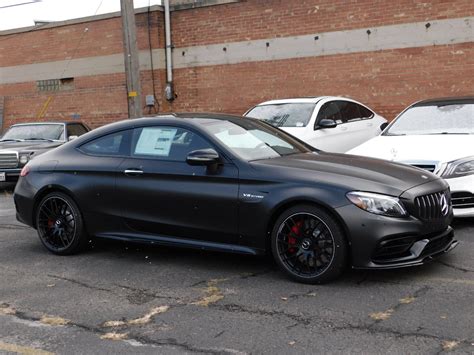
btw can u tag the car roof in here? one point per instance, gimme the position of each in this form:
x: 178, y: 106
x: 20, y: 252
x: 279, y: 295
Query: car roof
x: 445, y: 101
x: 171, y: 118
x: 46, y: 123
x: 311, y: 100
x: 177, y: 117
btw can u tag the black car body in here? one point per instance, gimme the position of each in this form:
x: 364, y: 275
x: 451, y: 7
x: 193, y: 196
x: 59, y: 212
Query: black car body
x: 31, y: 140
x: 296, y: 203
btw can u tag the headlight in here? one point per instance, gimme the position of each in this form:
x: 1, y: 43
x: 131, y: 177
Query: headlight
x: 458, y: 168
x: 379, y: 204
x: 25, y: 158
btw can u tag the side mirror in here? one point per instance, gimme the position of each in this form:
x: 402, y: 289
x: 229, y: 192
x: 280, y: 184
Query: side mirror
x: 383, y: 126
x: 206, y: 157
x: 71, y: 138
x: 327, y: 123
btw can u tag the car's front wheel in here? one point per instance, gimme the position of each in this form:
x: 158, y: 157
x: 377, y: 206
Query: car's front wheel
x: 309, y: 244
x: 60, y: 225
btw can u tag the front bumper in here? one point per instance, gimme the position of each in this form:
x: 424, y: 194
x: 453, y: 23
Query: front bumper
x: 462, y: 192
x: 379, y: 242
x: 11, y: 174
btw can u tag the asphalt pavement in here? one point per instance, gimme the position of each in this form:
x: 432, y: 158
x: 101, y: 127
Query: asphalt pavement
x: 125, y: 298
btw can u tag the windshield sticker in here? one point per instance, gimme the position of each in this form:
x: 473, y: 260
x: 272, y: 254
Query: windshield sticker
x: 155, y: 141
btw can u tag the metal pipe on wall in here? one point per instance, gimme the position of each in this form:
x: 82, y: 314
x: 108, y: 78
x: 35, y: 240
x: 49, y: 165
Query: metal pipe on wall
x: 169, y: 90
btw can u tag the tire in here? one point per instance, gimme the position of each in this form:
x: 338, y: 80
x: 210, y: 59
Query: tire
x: 60, y: 225
x: 309, y: 245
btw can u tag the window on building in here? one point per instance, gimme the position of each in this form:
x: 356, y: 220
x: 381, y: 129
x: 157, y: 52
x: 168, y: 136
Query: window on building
x: 55, y: 84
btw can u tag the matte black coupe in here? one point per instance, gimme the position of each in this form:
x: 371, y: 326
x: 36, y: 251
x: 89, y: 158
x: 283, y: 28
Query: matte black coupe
x: 239, y: 185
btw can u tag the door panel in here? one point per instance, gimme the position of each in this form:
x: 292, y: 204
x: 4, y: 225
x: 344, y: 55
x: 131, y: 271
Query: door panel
x: 164, y: 195
x: 351, y: 131
x: 93, y: 175
x: 176, y: 199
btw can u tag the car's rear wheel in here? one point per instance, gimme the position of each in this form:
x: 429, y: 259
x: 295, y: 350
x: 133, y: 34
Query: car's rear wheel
x: 309, y: 244
x: 60, y: 225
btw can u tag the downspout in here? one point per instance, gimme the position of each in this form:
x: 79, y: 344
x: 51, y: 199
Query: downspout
x: 169, y: 90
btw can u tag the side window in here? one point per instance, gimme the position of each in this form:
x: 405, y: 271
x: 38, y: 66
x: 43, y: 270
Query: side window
x: 365, y: 113
x: 112, y: 144
x: 166, y: 143
x: 349, y: 111
x: 330, y: 111
x: 75, y: 130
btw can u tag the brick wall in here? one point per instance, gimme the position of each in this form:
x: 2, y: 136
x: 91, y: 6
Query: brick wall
x: 385, y: 79
x: 388, y: 81
x: 257, y: 19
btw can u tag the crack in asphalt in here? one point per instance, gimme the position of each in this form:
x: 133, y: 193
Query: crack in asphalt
x: 372, y: 328
x: 453, y: 266
x: 418, y: 293
x: 239, y: 277
x: 138, y: 296
x: 235, y: 308
x: 183, y: 345
x: 14, y: 227
x: 141, y: 296
x: 398, y: 334
x: 80, y: 283
x: 131, y: 336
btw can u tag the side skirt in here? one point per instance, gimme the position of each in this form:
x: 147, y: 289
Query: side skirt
x: 181, y: 243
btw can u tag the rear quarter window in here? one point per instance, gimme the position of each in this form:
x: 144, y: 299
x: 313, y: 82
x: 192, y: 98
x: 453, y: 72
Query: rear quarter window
x: 113, y: 144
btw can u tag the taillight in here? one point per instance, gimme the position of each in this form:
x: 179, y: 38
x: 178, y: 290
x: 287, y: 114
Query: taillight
x: 25, y: 171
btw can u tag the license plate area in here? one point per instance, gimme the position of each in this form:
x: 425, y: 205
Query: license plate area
x: 3, y: 177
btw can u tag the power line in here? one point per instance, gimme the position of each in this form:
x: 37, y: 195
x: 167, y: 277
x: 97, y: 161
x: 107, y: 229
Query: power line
x: 79, y: 42
x: 20, y: 4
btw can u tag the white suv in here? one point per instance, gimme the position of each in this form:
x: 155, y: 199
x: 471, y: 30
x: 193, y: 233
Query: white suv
x: 329, y: 123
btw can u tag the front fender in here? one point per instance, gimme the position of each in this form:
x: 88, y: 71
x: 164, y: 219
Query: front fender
x: 257, y: 214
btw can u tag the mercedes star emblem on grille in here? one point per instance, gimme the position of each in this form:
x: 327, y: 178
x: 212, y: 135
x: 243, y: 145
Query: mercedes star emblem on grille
x: 444, y: 205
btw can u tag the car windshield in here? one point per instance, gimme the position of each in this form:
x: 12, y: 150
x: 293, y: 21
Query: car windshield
x: 443, y: 119
x: 35, y: 132
x: 253, y: 140
x: 284, y: 115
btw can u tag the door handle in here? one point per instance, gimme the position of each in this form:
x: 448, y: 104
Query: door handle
x: 343, y: 128
x: 133, y: 172
x: 370, y: 124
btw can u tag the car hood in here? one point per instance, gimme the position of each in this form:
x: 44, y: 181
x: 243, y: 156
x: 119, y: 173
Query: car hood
x: 296, y: 131
x: 349, y: 172
x: 28, y: 145
x: 418, y: 148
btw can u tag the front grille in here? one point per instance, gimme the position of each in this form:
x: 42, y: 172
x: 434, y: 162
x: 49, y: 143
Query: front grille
x: 431, y: 168
x: 433, y: 206
x: 462, y: 199
x: 8, y: 160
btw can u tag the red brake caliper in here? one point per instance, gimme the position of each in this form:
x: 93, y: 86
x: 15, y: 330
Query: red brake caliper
x: 295, y: 230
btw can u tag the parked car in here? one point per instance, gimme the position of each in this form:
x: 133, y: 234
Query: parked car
x: 22, y: 142
x: 436, y: 135
x: 333, y: 124
x: 234, y: 184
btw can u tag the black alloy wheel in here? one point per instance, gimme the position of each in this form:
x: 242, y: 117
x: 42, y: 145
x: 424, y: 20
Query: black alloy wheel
x: 309, y: 244
x: 59, y: 224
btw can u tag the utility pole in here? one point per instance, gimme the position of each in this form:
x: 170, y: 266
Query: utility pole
x: 132, y: 64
